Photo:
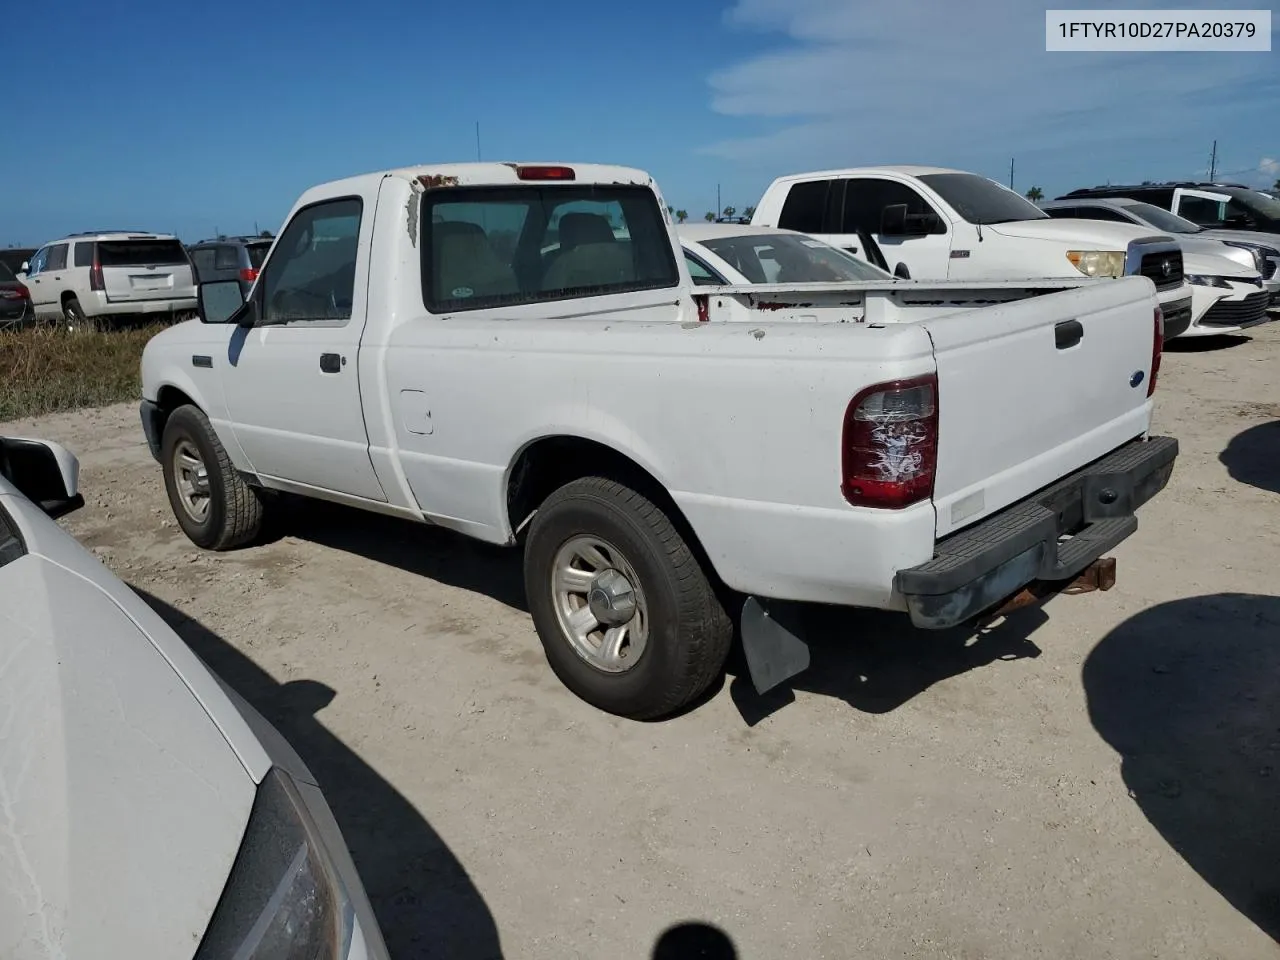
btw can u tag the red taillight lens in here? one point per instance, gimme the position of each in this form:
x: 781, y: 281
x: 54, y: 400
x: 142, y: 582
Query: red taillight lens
x: 248, y: 274
x: 1157, y: 351
x: 890, y: 444
x: 95, y: 276
x: 15, y: 293
x: 545, y: 173
x: 23, y: 293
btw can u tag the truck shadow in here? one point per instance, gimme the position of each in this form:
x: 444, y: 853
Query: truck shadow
x: 694, y: 939
x: 1188, y: 693
x: 433, y: 552
x: 1253, y: 456
x: 876, y: 661
x: 1206, y: 344
x: 426, y: 904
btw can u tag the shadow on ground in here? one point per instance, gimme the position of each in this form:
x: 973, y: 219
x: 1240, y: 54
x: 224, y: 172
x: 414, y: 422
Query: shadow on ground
x: 1253, y: 456
x: 872, y: 660
x: 426, y: 903
x: 694, y: 941
x: 1188, y: 693
x: 441, y: 555
x: 876, y: 661
x: 1206, y: 344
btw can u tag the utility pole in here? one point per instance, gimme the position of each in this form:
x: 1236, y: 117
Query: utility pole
x: 1011, y: 173
x: 718, y: 207
x: 477, y: 141
x: 1213, y: 162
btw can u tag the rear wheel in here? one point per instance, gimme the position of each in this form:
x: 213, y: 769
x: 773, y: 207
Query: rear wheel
x: 213, y: 505
x: 628, y: 618
x: 73, y: 314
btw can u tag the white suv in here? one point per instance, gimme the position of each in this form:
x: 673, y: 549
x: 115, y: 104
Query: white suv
x: 91, y: 275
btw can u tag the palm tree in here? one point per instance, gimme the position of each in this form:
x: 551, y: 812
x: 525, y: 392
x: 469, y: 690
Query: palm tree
x: 709, y: 217
x: 730, y: 211
x: 1034, y: 194
x: 671, y: 210
x: 682, y: 216
x: 749, y: 212
x: 1276, y: 185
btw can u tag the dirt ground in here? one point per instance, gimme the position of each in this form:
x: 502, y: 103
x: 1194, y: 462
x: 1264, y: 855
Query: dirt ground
x: 1098, y: 779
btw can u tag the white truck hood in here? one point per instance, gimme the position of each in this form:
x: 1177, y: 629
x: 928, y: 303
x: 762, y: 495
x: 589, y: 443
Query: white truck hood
x: 122, y: 802
x: 1097, y: 234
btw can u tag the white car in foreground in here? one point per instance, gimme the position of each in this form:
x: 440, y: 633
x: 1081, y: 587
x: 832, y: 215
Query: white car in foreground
x: 146, y: 810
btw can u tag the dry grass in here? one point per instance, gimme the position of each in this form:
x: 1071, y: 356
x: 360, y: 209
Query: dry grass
x: 47, y: 369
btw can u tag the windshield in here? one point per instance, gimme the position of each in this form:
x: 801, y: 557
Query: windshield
x: 790, y: 258
x: 140, y: 253
x: 980, y: 200
x: 1162, y: 219
x: 6, y: 275
x: 1256, y: 202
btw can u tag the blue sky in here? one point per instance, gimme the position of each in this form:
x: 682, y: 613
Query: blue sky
x: 166, y: 119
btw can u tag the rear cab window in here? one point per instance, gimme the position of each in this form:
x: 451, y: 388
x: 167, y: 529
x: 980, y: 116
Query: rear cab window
x: 141, y: 253
x: 511, y: 245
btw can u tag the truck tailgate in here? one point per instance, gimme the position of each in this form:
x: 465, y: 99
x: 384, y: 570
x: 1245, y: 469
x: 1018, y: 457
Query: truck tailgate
x: 1032, y: 390
x: 145, y: 269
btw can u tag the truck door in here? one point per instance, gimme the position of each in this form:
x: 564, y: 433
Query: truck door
x: 1203, y: 207
x: 291, y: 381
x: 920, y: 239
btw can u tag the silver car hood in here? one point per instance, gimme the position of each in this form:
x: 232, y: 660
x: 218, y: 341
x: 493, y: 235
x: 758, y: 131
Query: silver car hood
x: 122, y: 801
x: 1247, y: 236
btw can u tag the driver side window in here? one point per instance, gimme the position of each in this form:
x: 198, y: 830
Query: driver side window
x: 312, y: 270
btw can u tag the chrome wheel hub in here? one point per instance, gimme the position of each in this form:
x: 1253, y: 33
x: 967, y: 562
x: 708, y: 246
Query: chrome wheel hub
x: 599, y: 604
x: 191, y: 479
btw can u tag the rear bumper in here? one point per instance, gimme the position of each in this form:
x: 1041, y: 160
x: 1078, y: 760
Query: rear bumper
x: 1177, y: 317
x: 105, y: 307
x: 977, y: 568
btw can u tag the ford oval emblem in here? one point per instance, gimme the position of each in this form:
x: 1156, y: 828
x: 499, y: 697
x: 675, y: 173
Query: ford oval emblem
x: 1137, y: 378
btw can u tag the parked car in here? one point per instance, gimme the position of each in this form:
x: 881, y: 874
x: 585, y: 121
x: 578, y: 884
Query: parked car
x: 15, y: 257
x: 937, y: 224
x: 112, y: 274
x: 15, y: 301
x: 730, y: 253
x: 1220, y: 206
x: 150, y: 812
x: 659, y: 449
x: 229, y: 258
x: 1263, y: 249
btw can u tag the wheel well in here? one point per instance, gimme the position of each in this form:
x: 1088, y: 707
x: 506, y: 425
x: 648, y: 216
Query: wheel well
x: 548, y: 464
x: 168, y: 400
x: 68, y: 295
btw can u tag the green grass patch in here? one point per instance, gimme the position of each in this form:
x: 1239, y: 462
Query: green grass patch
x: 47, y: 369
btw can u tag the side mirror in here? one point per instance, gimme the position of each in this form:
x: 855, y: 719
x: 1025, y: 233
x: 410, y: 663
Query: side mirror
x: 218, y: 302
x: 46, y: 473
x: 902, y: 271
x: 26, y: 265
x: 893, y: 220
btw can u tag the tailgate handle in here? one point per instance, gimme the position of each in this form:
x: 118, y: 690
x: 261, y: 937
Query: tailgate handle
x: 1068, y: 333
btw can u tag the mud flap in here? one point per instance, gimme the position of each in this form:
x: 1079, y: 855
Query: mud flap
x: 772, y: 640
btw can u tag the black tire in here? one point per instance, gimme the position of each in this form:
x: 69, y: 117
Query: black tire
x: 689, y: 632
x: 73, y: 314
x: 235, y: 509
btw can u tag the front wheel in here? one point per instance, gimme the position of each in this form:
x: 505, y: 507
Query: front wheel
x: 73, y: 314
x: 213, y: 505
x: 627, y: 616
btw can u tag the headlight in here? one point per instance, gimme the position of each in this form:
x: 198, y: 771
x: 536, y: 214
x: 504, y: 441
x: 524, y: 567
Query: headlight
x: 1261, y: 252
x: 1098, y: 263
x: 283, y: 900
x: 1200, y: 281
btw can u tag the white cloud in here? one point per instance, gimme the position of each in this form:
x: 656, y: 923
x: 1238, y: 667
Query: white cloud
x: 860, y: 81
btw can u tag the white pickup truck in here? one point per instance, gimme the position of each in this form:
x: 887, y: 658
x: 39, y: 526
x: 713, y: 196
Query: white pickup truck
x: 931, y: 223
x: 517, y: 352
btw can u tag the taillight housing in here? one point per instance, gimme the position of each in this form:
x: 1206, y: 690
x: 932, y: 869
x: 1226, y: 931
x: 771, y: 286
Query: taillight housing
x: 15, y: 293
x: 248, y: 274
x: 889, y: 447
x: 24, y: 293
x: 544, y: 172
x: 95, y: 273
x: 1157, y: 351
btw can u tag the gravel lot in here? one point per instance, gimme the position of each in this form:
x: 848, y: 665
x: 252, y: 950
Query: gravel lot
x: 1097, y: 779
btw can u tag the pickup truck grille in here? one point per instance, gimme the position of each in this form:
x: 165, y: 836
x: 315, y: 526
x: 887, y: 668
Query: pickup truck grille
x: 1269, y: 267
x: 1153, y: 266
x: 1236, y: 313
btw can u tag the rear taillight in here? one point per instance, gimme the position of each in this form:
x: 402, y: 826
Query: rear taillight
x: 15, y: 293
x: 248, y: 274
x: 1157, y: 351
x: 95, y: 274
x: 889, y: 449
x: 23, y: 293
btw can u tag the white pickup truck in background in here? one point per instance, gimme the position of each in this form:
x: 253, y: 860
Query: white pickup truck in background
x: 517, y: 352
x: 932, y: 223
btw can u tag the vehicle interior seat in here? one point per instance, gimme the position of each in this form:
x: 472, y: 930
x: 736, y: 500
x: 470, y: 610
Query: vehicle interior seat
x: 589, y: 255
x: 465, y: 264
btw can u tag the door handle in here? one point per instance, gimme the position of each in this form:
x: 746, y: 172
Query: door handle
x: 331, y: 363
x: 1068, y: 333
